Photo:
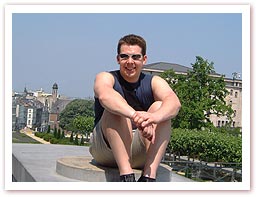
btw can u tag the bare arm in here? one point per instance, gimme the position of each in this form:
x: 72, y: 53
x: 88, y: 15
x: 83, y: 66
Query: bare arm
x: 110, y: 99
x: 169, y: 108
x: 170, y: 102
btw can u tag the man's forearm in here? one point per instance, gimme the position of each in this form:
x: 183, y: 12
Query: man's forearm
x: 116, y: 104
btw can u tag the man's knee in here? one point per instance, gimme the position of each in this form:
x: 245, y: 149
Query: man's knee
x: 166, y: 125
x: 117, y: 122
x: 109, y: 118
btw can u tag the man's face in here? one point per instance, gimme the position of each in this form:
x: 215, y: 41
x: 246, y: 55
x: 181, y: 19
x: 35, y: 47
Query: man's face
x: 131, y: 62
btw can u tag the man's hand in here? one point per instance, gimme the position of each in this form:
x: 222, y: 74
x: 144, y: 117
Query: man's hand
x: 148, y: 132
x: 146, y: 124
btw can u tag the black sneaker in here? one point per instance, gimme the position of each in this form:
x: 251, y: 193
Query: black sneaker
x: 127, y: 178
x: 146, y: 179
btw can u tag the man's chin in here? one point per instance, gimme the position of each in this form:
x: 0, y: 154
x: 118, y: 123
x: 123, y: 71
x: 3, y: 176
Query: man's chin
x: 130, y: 76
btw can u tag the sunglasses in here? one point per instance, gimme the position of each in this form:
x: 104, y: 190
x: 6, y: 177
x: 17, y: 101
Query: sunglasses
x: 133, y: 56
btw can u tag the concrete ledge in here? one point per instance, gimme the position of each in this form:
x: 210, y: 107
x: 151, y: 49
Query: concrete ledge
x: 19, y: 171
x: 86, y: 169
x: 64, y: 163
x: 37, y: 162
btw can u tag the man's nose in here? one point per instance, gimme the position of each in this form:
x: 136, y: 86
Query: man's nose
x: 130, y: 60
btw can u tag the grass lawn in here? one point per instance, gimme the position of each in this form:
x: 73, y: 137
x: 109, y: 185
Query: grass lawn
x: 18, y: 137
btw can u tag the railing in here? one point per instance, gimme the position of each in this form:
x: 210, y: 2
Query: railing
x: 204, y: 171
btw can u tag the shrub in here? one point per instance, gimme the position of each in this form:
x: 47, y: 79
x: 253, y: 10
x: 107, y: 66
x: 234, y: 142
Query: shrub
x: 66, y: 141
x: 54, y: 141
x: 206, y: 145
x: 48, y: 136
x: 39, y: 134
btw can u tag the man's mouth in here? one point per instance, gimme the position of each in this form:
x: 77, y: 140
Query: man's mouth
x: 130, y: 69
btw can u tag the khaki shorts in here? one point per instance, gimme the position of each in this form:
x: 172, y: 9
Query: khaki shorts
x: 103, y: 155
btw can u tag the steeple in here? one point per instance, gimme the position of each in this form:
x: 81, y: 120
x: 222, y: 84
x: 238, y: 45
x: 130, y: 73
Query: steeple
x: 55, y: 86
x: 25, y: 92
x: 54, y: 92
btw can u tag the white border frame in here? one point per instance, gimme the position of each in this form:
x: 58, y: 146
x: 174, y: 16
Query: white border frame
x: 124, y: 8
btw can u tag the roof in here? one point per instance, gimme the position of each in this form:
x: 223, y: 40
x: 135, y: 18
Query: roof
x: 59, y: 105
x: 161, y: 66
x: 29, y: 103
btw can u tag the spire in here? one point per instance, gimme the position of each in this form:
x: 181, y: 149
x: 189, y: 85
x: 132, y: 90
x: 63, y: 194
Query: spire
x: 54, y: 92
x: 55, y: 86
x: 25, y: 90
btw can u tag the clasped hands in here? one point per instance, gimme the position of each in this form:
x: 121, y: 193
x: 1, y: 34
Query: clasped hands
x: 146, y: 124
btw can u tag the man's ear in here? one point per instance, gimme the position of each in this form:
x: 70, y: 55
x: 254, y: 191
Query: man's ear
x: 117, y: 59
x: 145, y: 59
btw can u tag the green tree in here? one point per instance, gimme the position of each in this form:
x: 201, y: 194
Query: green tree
x: 84, y: 124
x: 201, y: 93
x: 76, y: 140
x: 55, y: 132
x: 82, y: 141
x: 62, y: 135
x: 58, y: 134
x: 48, y: 129
x: 78, y: 107
x: 71, y: 137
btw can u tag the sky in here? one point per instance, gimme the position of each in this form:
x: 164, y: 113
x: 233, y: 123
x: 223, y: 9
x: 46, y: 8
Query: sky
x: 70, y: 49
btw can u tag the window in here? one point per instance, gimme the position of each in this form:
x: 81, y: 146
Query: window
x: 236, y: 94
x: 218, y: 123
x: 231, y: 92
x: 234, y: 123
x: 234, y: 113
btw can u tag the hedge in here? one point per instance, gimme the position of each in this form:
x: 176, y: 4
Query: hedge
x: 50, y: 138
x: 206, y: 145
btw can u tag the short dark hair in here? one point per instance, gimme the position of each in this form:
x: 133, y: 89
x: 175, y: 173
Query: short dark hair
x: 132, y: 39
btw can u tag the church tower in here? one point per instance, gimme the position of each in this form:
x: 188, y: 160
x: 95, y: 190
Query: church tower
x: 25, y: 92
x: 54, y: 92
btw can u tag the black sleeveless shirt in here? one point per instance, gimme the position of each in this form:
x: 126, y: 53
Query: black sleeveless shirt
x: 138, y: 95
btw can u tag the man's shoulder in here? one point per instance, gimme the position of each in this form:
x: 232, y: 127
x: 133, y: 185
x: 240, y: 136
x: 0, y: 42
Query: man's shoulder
x: 104, y: 73
x: 104, y: 77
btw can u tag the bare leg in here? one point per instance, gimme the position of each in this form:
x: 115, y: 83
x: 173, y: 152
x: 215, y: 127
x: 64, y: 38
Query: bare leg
x: 156, y: 151
x: 118, y: 132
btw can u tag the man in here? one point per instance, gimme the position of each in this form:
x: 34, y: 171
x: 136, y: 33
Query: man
x: 133, y: 114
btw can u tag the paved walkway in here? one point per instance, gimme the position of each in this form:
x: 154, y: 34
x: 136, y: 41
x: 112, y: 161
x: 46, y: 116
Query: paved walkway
x: 30, y: 133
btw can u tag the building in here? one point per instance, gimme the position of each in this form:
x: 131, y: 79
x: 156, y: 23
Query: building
x: 234, y: 86
x: 29, y: 113
x: 37, y: 110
